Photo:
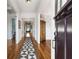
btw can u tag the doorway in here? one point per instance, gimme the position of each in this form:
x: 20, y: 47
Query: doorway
x: 27, y: 29
x: 13, y: 28
x: 42, y: 30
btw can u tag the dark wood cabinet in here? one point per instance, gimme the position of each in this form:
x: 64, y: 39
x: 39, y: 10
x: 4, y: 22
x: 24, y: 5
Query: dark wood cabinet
x: 60, y: 39
x: 69, y: 37
x: 63, y: 37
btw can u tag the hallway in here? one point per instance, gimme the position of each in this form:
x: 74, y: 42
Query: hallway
x: 27, y: 51
x: 39, y: 29
x: 32, y: 50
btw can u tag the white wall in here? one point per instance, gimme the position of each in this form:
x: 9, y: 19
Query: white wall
x: 27, y: 15
x: 47, y: 9
x: 9, y: 25
x: 50, y: 27
x: 33, y: 28
x: 19, y: 32
x: 37, y: 28
x: 53, y: 10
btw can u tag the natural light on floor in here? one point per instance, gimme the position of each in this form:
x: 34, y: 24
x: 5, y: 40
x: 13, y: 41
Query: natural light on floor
x: 28, y: 35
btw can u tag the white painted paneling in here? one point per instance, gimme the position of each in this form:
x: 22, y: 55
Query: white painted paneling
x: 19, y: 32
x: 50, y: 28
x: 17, y: 36
x: 37, y: 28
x: 9, y: 25
x: 33, y: 28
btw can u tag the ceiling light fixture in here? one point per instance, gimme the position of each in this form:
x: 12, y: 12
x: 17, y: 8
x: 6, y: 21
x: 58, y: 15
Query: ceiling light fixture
x: 28, y: 1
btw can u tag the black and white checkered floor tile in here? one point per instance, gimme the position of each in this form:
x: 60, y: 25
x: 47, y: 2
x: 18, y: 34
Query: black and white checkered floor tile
x: 28, y: 51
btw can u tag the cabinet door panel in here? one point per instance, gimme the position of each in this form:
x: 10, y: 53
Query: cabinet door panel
x: 69, y: 38
x: 60, y: 38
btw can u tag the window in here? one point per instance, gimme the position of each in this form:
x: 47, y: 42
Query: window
x: 63, y: 2
x: 59, y: 4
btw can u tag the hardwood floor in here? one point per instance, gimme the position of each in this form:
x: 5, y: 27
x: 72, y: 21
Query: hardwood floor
x: 45, y: 49
x: 11, y: 45
x: 13, y: 49
x: 38, y: 53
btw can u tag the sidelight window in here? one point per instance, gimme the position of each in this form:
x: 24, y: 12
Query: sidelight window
x: 59, y: 4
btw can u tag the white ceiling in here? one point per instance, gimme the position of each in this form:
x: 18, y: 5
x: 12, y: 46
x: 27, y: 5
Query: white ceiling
x: 10, y: 9
x: 44, y: 7
x: 23, y: 6
x: 33, y: 6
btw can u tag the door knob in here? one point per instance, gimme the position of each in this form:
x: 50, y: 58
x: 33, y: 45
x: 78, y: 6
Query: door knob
x: 55, y: 33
